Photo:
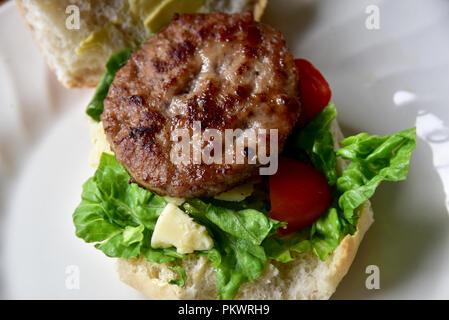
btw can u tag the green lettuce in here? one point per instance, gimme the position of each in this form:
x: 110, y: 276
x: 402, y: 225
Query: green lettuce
x: 373, y: 159
x: 119, y: 217
x: 115, y: 62
x: 238, y: 255
x: 317, y: 141
x: 321, y: 238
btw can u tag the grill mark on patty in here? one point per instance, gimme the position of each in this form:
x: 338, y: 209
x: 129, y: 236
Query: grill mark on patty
x: 178, y: 53
x: 137, y: 100
x: 160, y: 66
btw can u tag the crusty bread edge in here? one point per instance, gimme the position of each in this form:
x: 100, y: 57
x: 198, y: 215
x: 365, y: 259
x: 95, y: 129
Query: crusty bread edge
x: 342, y: 257
x: 153, y: 289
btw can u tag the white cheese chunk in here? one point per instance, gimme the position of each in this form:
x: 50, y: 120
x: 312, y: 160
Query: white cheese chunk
x: 174, y: 200
x: 237, y: 194
x: 100, y: 142
x: 176, y: 228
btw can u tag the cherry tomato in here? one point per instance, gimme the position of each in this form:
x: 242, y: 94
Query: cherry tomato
x: 314, y: 90
x: 299, y: 194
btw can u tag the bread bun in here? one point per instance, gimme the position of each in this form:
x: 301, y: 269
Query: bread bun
x: 59, y: 44
x: 306, y: 277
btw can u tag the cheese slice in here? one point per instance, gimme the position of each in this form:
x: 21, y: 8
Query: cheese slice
x: 100, y: 142
x: 174, y: 200
x: 176, y: 228
x: 239, y: 193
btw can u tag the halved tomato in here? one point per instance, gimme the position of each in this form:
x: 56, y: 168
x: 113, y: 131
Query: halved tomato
x: 315, y: 92
x: 299, y: 194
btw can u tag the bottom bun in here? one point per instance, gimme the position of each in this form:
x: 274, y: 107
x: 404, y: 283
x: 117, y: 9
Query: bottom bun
x: 306, y: 277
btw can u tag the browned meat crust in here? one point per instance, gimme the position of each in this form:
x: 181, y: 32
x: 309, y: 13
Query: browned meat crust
x: 226, y: 71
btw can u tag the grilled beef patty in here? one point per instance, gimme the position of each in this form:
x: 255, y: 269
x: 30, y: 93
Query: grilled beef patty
x: 225, y: 71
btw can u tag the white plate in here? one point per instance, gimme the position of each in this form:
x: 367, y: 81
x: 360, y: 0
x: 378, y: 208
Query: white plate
x: 383, y: 80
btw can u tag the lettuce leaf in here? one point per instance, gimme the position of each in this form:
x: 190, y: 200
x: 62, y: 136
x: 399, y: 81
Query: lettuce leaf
x: 119, y: 217
x: 238, y: 255
x: 321, y: 238
x: 115, y: 62
x: 373, y: 159
x: 325, y: 234
x: 317, y: 141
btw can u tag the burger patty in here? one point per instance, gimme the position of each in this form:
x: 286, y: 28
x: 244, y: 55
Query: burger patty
x: 224, y: 71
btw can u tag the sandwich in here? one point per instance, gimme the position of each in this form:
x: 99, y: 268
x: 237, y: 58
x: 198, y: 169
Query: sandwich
x: 221, y: 172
